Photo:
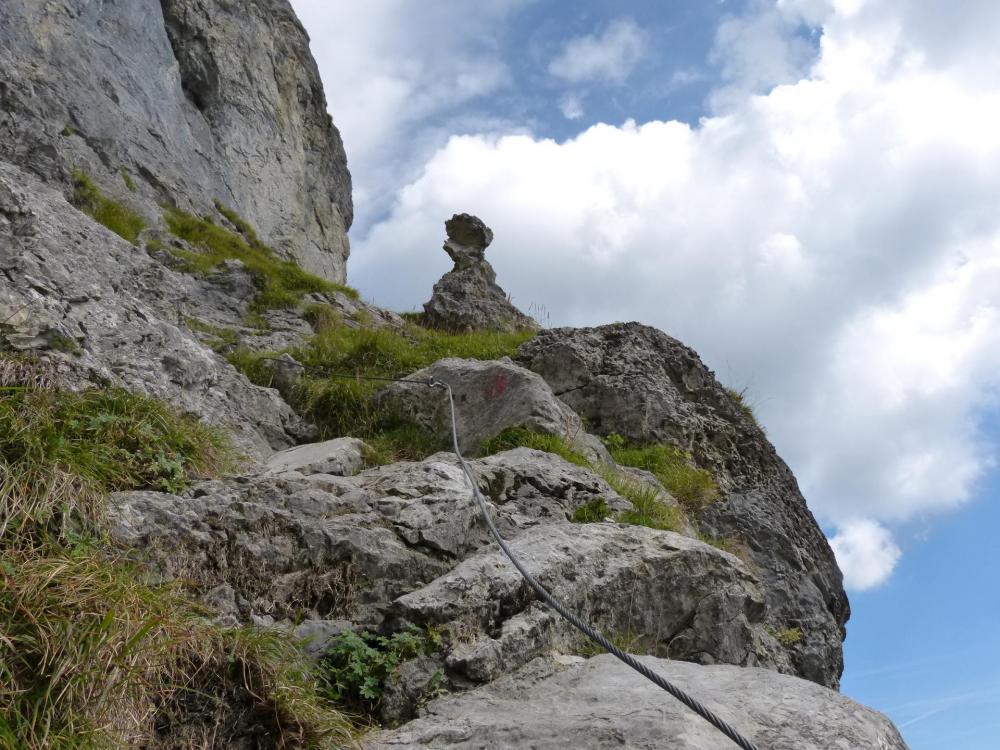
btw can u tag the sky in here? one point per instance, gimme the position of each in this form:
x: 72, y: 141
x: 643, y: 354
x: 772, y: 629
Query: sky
x: 804, y: 191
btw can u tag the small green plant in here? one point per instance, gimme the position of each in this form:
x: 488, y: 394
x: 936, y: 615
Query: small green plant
x: 592, y: 512
x: 357, y: 667
x: 522, y: 437
x: 67, y: 131
x: 740, y: 399
x: 60, y: 342
x: 155, y: 246
x: 648, y: 505
x: 127, y: 179
x: 625, y: 640
x: 117, y: 217
x: 787, y: 636
x: 220, y: 338
x: 694, y: 488
x: 322, y: 316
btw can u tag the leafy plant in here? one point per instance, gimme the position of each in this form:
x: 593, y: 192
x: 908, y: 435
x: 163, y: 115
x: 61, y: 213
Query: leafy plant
x: 116, y: 216
x: 787, y: 636
x: 357, y: 666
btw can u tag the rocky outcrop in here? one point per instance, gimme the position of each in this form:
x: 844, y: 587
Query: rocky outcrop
x: 405, y: 544
x: 490, y: 396
x: 180, y: 101
x: 639, y: 382
x: 467, y: 298
x: 118, y: 318
x: 599, y: 704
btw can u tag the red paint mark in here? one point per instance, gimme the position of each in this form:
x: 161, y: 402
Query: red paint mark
x: 498, y: 387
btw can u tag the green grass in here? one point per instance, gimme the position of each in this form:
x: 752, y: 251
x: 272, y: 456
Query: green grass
x: 648, y: 506
x: 522, y: 437
x: 740, y: 399
x: 116, y: 216
x: 220, y: 338
x: 693, y: 487
x: 343, y: 406
x: 60, y: 342
x: 93, y: 656
x: 322, y: 316
x: 127, y: 179
x: 60, y: 451
x: 593, y: 512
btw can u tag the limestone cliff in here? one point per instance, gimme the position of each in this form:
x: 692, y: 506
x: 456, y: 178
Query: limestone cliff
x: 186, y: 102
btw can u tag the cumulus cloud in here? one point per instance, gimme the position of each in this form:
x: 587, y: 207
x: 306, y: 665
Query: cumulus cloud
x: 390, y: 67
x: 607, y: 57
x: 832, y: 242
x: 865, y: 552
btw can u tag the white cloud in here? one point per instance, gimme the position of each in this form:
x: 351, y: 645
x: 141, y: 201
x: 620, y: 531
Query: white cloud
x: 866, y: 554
x: 610, y: 56
x: 388, y: 67
x: 571, y: 106
x: 833, y: 241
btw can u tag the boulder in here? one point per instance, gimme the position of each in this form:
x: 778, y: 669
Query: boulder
x: 657, y: 591
x: 342, y: 457
x: 490, y: 396
x: 599, y: 703
x: 467, y: 298
x: 636, y: 381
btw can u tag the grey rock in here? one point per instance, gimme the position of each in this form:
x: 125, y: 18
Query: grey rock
x: 415, y: 682
x: 197, y: 100
x: 343, y: 548
x: 467, y: 298
x: 490, y: 396
x: 125, y: 312
x: 639, y: 382
x: 341, y: 457
x: 665, y: 593
x: 600, y: 703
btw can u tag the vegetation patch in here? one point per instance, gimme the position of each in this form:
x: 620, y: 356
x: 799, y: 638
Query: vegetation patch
x: 740, y: 399
x: 344, y: 405
x: 220, y: 338
x: 592, y: 512
x: 693, y: 487
x: 92, y: 656
x: 322, y: 316
x: 522, y: 437
x: 116, y: 216
x: 127, y: 179
x: 358, y: 666
x: 648, y: 505
x: 787, y: 636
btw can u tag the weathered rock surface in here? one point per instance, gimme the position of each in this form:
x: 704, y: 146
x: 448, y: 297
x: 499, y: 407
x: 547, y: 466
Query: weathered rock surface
x: 490, y: 396
x: 334, y: 548
x: 68, y: 283
x: 599, y: 703
x: 639, y: 382
x: 467, y: 298
x: 342, y: 457
x: 673, y: 595
x: 195, y: 100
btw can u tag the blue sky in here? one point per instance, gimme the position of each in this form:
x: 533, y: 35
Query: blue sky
x: 805, y: 191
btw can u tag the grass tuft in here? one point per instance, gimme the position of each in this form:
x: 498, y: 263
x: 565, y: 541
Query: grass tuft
x: 593, y: 512
x: 522, y: 437
x: 117, y: 217
x: 694, y: 488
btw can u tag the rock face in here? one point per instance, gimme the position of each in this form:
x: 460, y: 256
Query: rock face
x: 405, y: 544
x: 638, y: 382
x: 600, y: 704
x: 467, y: 298
x: 192, y: 101
x: 67, y: 282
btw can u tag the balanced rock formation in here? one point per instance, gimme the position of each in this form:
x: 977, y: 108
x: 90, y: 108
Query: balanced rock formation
x: 640, y: 383
x: 184, y: 102
x: 599, y: 703
x: 467, y: 298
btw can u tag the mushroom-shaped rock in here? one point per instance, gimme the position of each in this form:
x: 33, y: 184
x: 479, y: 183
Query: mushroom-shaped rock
x: 467, y: 298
